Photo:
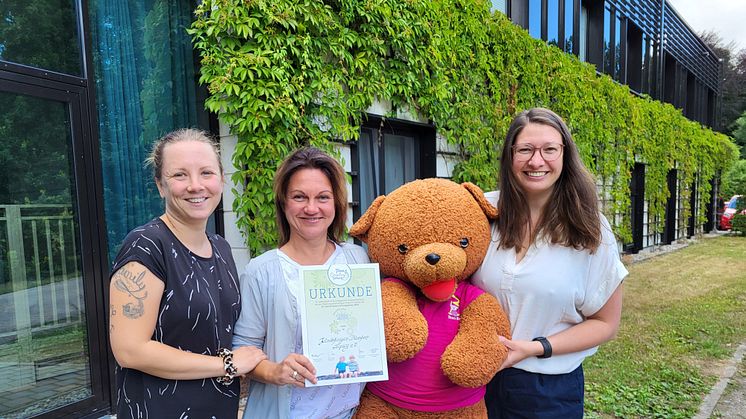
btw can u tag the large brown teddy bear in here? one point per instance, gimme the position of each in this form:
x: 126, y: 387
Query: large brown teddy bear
x: 428, y: 237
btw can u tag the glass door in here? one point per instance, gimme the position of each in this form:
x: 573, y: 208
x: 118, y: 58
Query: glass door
x: 50, y: 348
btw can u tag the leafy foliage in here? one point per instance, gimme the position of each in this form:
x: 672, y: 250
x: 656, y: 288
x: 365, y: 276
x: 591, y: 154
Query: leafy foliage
x: 738, y: 224
x: 739, y: 133
x: 284, y: 73
x: 734, y: 180
x: 733, y: 72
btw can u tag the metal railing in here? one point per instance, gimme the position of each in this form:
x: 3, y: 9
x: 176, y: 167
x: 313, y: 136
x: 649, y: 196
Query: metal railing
x: 40, y: 281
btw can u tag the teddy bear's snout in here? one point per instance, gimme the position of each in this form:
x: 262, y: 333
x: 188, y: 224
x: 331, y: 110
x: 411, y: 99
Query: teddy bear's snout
x: 434, y: 262
x: 432, y: 258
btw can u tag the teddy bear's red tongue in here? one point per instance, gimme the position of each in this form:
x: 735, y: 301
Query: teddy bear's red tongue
x: 440, y: 291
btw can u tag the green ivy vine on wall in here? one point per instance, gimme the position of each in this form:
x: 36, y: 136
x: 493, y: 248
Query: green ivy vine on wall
x: 285, y: 73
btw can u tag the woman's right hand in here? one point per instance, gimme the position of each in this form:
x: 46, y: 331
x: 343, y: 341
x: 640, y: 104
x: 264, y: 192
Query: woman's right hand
x: 246, y: 358
x: 294, y: 370
x: 518, y: 350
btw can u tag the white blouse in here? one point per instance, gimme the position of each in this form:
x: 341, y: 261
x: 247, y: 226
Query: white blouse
x: 551, y: 289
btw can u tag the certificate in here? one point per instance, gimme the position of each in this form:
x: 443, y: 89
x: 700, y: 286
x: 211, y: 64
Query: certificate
x: 342, y: 323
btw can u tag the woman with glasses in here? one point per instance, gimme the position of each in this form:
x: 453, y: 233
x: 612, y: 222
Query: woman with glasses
x: 553, y: 265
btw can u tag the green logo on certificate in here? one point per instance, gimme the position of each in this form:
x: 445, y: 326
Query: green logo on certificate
x: 339, y: 274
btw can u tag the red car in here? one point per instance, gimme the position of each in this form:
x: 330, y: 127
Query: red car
x: 729, y: 210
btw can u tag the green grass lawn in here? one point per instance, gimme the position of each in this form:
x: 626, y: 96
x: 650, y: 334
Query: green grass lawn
x: 61, y: 342
x: 684, y: 315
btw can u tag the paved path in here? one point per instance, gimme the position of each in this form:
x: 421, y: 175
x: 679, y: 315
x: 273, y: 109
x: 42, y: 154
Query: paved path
x: 728, y: 398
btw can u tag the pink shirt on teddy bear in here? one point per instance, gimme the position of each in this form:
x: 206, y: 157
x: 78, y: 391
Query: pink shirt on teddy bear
x: 419, y: 383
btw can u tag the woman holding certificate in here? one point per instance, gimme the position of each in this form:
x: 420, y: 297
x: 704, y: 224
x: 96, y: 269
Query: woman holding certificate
x: 311, y: 212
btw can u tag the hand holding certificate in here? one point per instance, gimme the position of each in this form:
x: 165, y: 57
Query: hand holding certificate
x: 342, y: 323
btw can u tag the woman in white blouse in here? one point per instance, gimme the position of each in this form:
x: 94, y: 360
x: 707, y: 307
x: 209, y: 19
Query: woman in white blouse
x: 555, y: 268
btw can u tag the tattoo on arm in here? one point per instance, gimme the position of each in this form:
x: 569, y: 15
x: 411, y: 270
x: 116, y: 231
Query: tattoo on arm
x: 131, y: 284
x: 112, y: 313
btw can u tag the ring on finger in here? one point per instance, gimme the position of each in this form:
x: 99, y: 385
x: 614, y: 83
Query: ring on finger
x: 294, y: 375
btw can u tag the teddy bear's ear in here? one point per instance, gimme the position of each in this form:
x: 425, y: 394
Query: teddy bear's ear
x: 359, y: 230
x: 489, y: 210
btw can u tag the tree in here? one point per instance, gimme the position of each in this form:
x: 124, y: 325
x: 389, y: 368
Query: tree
x: 734, y: 79
x: 734, y: 181
x: 739, y: 134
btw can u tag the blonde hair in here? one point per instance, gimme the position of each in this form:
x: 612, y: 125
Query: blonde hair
x: 155, y: 159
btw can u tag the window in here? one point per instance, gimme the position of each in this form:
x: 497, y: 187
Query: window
x: 583, y: 34
x: 635, y: 57
x: 388, y: 154
x: 499, y: 6
x: 569, y: 22
x: 646, y: 64
x: 42, y: 34
x: 553, y: 20
x: 48, y: 350
x: 613, y: 50
x: 608, y: 42
x: 669, y: 80
x: 711, y: 121
x: 534, y: 18
x: 690, y: 98
x: 618, y: 70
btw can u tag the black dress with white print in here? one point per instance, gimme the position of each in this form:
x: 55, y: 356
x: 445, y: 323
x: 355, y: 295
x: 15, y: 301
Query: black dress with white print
x: 199, y: 307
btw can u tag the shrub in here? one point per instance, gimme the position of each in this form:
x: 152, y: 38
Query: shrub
x: 738, y: 224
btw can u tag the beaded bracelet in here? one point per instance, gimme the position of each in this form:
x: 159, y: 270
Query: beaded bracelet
x: 230, y: 369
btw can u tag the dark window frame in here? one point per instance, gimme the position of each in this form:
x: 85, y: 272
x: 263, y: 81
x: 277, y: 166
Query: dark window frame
x: 86, y: 170
x: 424, y: 135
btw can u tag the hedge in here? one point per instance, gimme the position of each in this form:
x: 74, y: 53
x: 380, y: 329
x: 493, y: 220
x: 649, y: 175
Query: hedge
x: 284, y: 73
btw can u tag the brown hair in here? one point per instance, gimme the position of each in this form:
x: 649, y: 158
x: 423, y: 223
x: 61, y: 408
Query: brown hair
x: 573, y: 219
x: 311, y: 158
x: 155, y: 159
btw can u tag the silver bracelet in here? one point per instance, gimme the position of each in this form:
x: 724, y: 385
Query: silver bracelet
x: 230, y: 369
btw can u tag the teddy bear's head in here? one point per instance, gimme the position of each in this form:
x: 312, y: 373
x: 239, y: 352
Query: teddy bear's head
x: 432, y: 233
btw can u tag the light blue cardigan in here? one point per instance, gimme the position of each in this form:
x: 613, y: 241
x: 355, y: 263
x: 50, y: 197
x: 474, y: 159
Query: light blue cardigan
x: 268, y: 305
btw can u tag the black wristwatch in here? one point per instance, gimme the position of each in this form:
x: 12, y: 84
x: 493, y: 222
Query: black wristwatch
x: 544, y: 344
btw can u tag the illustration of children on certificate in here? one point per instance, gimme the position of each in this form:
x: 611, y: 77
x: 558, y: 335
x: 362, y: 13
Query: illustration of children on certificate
x: 342, y: 323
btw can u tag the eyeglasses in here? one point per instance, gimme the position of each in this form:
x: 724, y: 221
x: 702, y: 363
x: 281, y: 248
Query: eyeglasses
x: 549, y: 152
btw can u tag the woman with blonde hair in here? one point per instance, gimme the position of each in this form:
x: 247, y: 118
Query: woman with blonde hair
x: 174, y: 296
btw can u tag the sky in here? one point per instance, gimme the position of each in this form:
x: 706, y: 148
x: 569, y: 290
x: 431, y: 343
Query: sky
x: 725, y: 17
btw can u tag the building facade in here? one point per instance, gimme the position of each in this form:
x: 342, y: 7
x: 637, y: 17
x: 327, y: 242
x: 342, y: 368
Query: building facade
x: 647, y: 46
x: 86, y: 86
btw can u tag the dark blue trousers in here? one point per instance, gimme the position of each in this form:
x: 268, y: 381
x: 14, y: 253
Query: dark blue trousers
x: 514, y: 394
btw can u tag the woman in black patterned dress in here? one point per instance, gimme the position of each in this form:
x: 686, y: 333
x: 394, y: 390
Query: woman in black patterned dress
x: 175, y: 296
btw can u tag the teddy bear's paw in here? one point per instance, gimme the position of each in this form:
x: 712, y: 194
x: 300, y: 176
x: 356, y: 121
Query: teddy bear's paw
x: 405, y: 337
x: 405, y: 327
x: 469, y: 368
x: 463, y: 368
